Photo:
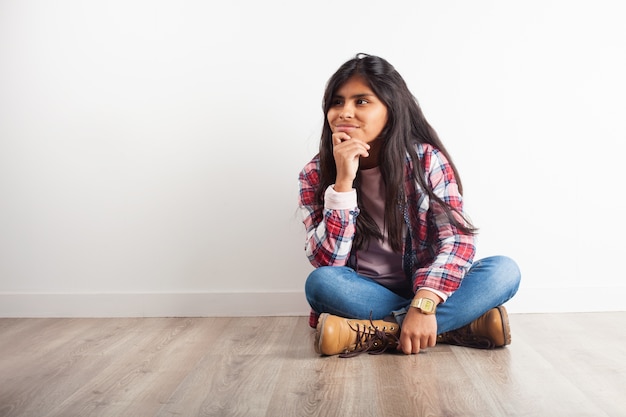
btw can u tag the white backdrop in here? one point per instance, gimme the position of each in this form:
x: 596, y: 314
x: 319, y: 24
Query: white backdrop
x: 149, y: 150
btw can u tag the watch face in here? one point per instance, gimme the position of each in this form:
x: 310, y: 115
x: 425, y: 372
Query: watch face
x: 427, y: 305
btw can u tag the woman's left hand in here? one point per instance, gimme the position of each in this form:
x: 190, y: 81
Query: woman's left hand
x: 419, y: 331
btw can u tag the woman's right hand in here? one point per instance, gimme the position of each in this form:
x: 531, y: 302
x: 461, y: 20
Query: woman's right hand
x: 347, y: 152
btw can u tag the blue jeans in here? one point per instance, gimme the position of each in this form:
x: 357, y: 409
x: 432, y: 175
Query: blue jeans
x: 489, y: 283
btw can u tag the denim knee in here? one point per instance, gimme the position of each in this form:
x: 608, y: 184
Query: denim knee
x: 507, y: 274
x: 319, y: 286
x: 511, y: 272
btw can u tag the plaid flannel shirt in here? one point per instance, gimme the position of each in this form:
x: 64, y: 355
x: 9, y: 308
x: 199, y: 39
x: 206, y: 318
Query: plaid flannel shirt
x: 436, y: 254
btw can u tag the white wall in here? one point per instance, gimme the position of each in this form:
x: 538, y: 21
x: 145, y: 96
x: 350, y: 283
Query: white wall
x: 149, y: 150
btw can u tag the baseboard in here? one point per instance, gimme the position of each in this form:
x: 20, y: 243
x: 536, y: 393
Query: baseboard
x: 231, y: 304
x: 568, y: 300
x: 279, y: 303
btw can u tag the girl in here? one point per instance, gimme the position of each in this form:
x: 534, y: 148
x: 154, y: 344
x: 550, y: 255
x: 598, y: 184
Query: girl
x: 385, y: 228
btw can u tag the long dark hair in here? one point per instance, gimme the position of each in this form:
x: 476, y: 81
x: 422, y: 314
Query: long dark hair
x: 406, y: 126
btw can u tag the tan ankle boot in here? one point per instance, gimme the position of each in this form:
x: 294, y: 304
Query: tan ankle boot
x: 348, y: 337
x: 489, y: 331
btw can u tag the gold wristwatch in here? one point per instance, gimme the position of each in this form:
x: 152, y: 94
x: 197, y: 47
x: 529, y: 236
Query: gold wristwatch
x: 424, y: 305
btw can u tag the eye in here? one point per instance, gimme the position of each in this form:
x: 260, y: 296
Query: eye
x: 336, y: 102
x: 361, y: 101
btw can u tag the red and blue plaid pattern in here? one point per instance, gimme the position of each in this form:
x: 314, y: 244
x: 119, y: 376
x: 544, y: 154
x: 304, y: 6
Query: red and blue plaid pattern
x: 436, y: 254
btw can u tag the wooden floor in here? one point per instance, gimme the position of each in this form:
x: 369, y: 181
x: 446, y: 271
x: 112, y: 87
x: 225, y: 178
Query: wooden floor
x: 558, y: 365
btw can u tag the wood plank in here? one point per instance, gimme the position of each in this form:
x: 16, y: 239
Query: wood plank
x: 578, y: 360
x: 59, y: 359
x: 238, y: 375
x: 433, y: 384
x: 157, y: 358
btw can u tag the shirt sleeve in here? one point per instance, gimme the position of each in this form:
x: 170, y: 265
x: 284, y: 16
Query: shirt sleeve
x: 453, y: 250
x: 330, y: 227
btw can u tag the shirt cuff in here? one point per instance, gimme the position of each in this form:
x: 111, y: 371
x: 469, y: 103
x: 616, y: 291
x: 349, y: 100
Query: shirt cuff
x: 334, y: 200
x: 441, y: 294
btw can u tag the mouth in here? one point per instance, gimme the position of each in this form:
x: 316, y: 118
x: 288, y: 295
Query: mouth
x: 345, y: 128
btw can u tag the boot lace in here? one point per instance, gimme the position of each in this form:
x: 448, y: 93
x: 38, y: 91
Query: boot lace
x: 370, y: 339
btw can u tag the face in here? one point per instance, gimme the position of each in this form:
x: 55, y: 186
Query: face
x: 356, y: 110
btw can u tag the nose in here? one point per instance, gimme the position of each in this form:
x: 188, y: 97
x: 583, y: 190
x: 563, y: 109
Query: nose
x: 347, y: 112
